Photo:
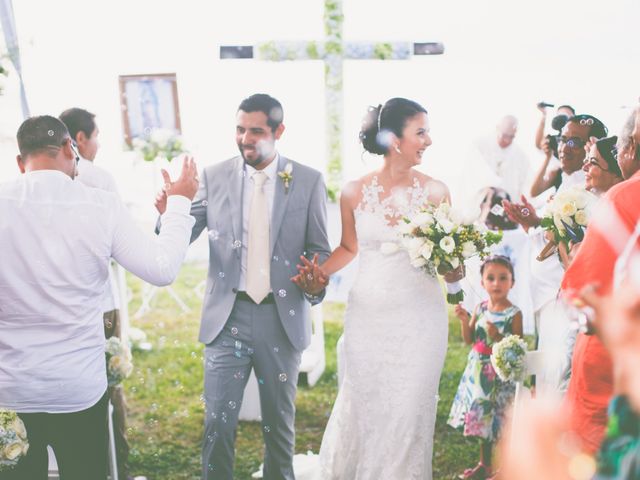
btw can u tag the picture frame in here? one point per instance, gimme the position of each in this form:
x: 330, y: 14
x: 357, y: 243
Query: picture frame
x: 148, y: 102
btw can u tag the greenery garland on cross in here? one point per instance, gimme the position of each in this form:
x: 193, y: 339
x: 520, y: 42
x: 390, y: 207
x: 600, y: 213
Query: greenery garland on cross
x: 332, y: 51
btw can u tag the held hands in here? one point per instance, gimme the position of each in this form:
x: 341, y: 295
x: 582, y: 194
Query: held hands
x: 186, y: 184
x: 523, y: 213
x: 311, y: 278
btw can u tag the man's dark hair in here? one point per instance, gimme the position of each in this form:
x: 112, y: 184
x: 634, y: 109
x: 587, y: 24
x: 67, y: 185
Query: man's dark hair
x: 568, y: 107
x: 43, y: 134
x: 261, y: 102
x: 596, y: 127
x: 78, y: 120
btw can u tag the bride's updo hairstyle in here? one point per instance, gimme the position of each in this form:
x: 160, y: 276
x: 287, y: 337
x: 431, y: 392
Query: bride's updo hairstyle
x: 379, y: 122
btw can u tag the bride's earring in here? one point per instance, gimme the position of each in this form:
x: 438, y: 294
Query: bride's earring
x: 397, y: 149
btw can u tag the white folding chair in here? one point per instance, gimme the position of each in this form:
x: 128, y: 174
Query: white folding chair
x: 533, y: 365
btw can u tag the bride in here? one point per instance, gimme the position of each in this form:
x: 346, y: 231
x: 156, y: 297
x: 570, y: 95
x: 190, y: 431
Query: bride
x: 395, y: 327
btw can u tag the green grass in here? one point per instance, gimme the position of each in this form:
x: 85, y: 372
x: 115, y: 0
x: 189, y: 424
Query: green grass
x: 166, y: 410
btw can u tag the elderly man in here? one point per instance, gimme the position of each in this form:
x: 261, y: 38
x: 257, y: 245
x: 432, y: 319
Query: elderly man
x: 56, y: 238
x: 508, y: 166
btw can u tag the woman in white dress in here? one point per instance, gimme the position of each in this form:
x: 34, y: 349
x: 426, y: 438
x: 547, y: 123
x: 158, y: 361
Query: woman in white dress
x: 395, y: 329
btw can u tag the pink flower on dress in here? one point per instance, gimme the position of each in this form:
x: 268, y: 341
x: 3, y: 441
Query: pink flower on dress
x: 488, y: 372
x: 473, y: 424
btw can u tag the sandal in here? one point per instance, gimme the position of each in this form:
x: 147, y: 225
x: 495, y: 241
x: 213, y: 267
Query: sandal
x: 479, y: 472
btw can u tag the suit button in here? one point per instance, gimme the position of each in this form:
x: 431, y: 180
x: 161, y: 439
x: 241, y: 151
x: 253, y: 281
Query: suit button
x: 234, y: 290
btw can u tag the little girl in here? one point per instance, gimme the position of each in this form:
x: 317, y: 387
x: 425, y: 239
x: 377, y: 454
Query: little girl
x: 482, y: 398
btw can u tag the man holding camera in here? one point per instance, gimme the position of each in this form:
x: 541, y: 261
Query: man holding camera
x: 549, y: 177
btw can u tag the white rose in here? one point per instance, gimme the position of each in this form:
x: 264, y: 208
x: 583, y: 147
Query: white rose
x: 423, y: 219
x: 468, y: 249
x: 447, y: 244
x: 18, y: 427
x: 444, y: 208
x: 387, y: 248
x: 418, y: 262
x: 568, y: 209
x: 113, y: 346
x: 426, y: 250
x: 12, y: 451
x: 581, y: 218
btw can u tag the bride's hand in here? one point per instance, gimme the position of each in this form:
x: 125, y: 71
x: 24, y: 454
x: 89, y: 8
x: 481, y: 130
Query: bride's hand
x: 455, y: 275
x: 311, y: 278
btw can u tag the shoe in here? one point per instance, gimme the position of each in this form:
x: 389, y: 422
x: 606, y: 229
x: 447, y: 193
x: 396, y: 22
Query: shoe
x: 479, y: 472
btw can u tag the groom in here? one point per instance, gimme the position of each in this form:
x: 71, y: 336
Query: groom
x: 262, y: 212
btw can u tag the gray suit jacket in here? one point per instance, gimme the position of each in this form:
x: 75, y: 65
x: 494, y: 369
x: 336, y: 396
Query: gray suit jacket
x: 298, y: 227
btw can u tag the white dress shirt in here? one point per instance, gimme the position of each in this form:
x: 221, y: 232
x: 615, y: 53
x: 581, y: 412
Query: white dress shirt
x: 94, y: 176
x: 510, y: 165
x: 546, y: 276
x: 56, y: 239
x: 269, y: 186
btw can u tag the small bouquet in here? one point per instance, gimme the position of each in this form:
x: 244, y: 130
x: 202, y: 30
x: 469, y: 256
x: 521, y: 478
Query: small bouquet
x: 160, y: 143
x: 119, y: 364
x: 13, y: 439
x: 438, y: 240
x: 507, y: 358
x: 566, y: 217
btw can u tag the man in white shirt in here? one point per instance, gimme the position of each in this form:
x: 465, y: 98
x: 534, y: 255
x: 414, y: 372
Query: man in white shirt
x: 508, y: 165
x: 84, y: 132
x: 56, y: 239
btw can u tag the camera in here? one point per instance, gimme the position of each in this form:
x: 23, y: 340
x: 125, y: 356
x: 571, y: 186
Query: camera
x: 553, y: 144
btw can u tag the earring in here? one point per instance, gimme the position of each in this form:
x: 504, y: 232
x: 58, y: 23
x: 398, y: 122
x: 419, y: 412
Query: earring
x: 397, y: 149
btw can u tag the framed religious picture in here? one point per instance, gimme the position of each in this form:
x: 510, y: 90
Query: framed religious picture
x: 149, y: 102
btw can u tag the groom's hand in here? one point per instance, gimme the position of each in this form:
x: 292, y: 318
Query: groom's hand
x: 311, y: 279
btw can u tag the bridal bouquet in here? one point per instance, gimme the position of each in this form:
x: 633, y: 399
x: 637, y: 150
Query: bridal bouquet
x: 566, y: 217
x: 119, y: 364
x: 159, y: 144
x: 438, y: 240
x: 13, y: 439
x: 507, y: 358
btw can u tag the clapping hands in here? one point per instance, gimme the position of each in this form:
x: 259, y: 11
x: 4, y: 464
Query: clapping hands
x: 523, y: 213
x: 311, y: 278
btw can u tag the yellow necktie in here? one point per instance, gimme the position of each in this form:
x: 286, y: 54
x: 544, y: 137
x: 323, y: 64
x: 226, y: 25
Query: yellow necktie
x: 258, y: 274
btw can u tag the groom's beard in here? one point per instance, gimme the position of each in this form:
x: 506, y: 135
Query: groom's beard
x: 254, y: 155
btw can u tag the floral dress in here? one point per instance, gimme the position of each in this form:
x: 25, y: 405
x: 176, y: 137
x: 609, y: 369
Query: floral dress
x: 482, y: 398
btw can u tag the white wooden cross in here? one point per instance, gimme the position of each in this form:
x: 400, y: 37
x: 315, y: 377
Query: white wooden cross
x: 332, y: 51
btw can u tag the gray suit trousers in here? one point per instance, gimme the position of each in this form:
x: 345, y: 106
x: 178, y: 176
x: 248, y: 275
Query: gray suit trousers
x: 253, y: 337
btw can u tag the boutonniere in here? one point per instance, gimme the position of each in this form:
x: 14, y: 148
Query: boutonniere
x: 286, y: 176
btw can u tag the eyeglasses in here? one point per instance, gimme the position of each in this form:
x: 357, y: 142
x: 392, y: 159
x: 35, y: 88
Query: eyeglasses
x: 593, y: 162
x: 573, y: 142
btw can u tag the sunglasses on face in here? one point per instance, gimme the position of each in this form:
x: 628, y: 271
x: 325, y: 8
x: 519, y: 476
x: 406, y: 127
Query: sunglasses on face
x: 573, y: 142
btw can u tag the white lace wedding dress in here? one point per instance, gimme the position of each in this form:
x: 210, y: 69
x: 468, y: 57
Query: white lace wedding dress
x: 395, y: 331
